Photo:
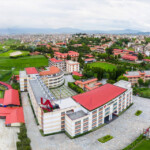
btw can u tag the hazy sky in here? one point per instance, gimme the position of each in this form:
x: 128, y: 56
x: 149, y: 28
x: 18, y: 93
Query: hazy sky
x: 82, y: 14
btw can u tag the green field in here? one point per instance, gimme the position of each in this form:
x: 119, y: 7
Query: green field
x: 6, y: 65
x: 103, y: 65
x: 1, y: 94
x: 23, y: 62
x: 7, y: 54
x: 144, y: 145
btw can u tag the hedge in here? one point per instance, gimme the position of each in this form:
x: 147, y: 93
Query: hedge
x: 24, y: 141
x: 105, y: 138
x: 75, y: 87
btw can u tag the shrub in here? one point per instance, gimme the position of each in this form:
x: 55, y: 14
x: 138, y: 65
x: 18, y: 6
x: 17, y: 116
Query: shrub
x: 105, y: 138
x: 138, y: 112
x: 75, y: 87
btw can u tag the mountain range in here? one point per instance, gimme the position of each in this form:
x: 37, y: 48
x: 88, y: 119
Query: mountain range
x: 65, y: 30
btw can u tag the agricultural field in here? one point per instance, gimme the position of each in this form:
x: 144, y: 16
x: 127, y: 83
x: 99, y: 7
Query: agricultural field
x: 103, y: 65
x: 144, y: 145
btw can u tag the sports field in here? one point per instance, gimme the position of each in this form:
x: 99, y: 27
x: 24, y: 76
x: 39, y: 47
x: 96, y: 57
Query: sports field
x: 1, y: 94
x: 144, y: 145
x: 103, y: 65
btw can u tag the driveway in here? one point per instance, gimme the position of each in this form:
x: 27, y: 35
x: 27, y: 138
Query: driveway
x: 8, y: 136
x: 124, y: 130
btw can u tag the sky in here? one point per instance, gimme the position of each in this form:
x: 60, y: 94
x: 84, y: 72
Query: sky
x: 80, y: 14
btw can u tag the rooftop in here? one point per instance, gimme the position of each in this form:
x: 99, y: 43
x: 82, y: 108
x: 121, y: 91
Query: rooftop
x: 55, y: 60
x: 31, y: 70
x: 77, y: 115
x: 71, y: 62
x: 52, y: 70
x: 99, y: 96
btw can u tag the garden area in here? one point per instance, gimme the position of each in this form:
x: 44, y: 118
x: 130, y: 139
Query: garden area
x: 144, y: 145
x: 142, y: 92
x: 105, y: 138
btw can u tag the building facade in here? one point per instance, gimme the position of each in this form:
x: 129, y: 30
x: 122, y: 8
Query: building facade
x: 72, y: 66
x: 53, y: 77
x: 134, y: 76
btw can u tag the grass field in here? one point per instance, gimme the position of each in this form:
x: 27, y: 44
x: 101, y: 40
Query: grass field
x: 144, y: 145
x: 7, y: 54
x: 103, y: 65
x: 1, y: 94
x: 23, y: 62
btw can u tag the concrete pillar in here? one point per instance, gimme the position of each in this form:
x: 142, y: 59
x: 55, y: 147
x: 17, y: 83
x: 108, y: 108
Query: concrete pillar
x: 110, y: 117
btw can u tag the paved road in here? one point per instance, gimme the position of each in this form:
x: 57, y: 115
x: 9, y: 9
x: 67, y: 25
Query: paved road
x: 124, y: 130
x: 8, y: 136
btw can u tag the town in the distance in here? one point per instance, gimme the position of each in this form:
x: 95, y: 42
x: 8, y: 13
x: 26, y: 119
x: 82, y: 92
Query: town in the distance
x: 75, y: 91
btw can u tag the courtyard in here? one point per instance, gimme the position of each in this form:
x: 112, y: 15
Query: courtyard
x: 62, y: 92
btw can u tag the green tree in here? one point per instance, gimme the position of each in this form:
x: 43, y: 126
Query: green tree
x: 122, y: 78
x: 68, y: 57
x: 140, y: 56
x: 141, y: 82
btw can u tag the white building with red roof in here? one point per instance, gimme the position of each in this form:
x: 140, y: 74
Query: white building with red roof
x: 72, y: 66
x: 58, y: 63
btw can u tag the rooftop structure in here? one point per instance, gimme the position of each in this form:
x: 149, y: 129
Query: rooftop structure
x: 77, y: 115
x: 31, y: 70
x: 77, y: 74
x: 99, y: 96
x: 52, y: 70
x: 130, y: 57
x: 13, y: 115
x: 11, y: 97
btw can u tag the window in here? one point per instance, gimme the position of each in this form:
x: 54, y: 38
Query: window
x: 94, y: 116
x: 107, y: 109
x: 94, y: 120
x: 85, y: 124
x: 86, y: 119
x: 77, y: 122
x: 95, y: 111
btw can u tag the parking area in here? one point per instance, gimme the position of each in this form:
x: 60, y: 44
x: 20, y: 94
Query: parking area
x: 8, y: 136
x: 124, y: 129
x: 62, y: 92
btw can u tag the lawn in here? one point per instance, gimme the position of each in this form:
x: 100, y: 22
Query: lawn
x: 23, y: 62
x: 138, y: 112
x: 1, y: 94
x: 103, y: 65
x: 105, y: 138
x: 144, y: 145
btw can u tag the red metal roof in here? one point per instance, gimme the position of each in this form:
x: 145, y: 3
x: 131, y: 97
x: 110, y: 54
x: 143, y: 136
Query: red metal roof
x: 77, y: 74
x: 11, y: 97
x: 89, y: 59
x: 99, y: 96
x: 52, y: 70
x: 13, y: 115
x: 31, y: 70
x: 55, y: 60
x: 129, y: 57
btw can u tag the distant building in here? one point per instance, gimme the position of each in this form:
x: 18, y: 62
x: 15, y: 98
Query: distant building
x: 134, y: 76
x: 130, y: 58
x: 88, y: 85
x: 58, y: 63
x: 72, y: 66
x: 89, y: 60
x: 63, y: 56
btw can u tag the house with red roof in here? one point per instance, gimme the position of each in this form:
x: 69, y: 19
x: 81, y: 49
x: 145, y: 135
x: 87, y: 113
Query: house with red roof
x: 88, y: 85
x: 63, y: 56
x: 61, y: 64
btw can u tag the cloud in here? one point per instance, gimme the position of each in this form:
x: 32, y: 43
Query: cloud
x: 83, y: 14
